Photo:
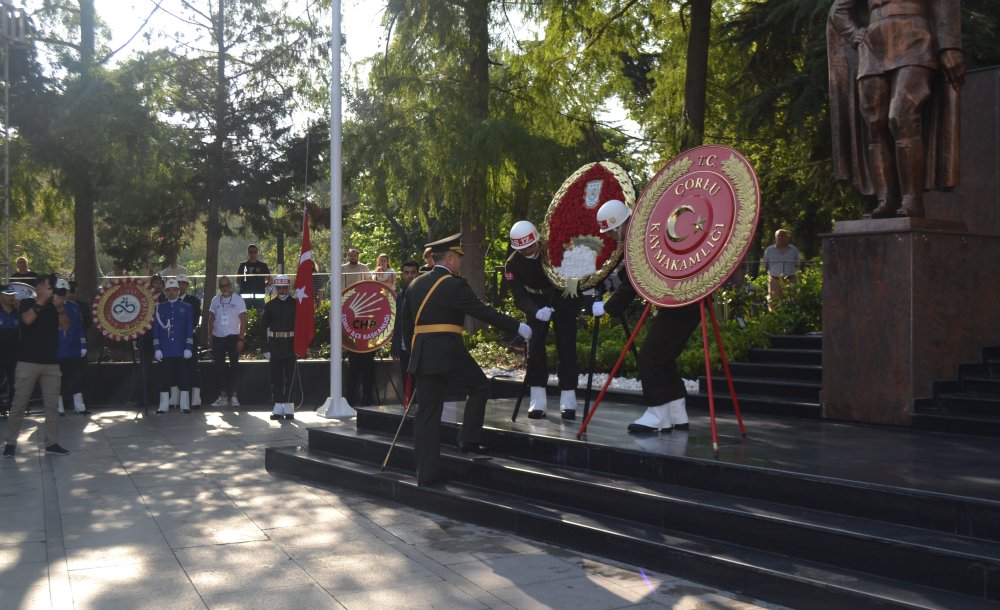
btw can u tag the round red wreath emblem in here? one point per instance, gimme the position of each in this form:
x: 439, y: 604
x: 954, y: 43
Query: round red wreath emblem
x: 124, y: 309
x: 368, y: 314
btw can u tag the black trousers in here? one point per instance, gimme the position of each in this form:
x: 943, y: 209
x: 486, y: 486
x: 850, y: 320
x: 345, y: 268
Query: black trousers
x: 360, y: 375
x: 8, y: 364
x: 282, y: 370
x: 73, y: 371
x: 470, y: 380
x: 223, y: 347
x: 173, y: 372
x: 564, y: 321
x: 667, y: 337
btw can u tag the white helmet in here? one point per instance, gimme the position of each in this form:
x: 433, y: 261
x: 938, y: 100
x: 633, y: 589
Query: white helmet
x: 612, y: 214
x: 171, y: 283
x: 522, y: 235
x: 281, y: 280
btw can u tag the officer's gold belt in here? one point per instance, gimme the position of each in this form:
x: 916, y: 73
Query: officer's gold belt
x: 899, y: 8
x: 281, y: 334
x: 438, y: 328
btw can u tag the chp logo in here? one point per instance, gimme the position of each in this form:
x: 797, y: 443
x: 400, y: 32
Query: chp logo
x: 692, y: 225
x: 124, y: 309
x: 368, y: 311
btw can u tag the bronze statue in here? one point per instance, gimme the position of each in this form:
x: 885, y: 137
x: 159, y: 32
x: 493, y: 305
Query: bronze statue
x: 896, y: 68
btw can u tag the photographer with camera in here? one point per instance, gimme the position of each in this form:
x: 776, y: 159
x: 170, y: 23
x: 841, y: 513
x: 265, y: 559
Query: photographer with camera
x: 38, y: 363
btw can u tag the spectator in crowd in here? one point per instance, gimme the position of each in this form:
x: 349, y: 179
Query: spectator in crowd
x: 384, y: 273
x: 227, y: 325
x: 277, y: 339
x: 253, y: 276
x: 72, y: 354
x: 23, y: 274
x: 118, y: 272
x: 194, y: 373
x: 173, y: 342
x: 172, y: 269
x: 428, y: 261
x: 10, y: 320
x: 38, y: 363
x: 398, y: 348
x: 781, y: 261
x: 352, y: 271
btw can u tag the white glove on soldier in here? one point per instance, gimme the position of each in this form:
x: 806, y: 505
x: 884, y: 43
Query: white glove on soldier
x: 187, y: 354
x: 598, y: 309
x: 158, y: 355
x: 83, y: 352
x: 544, y: 314
x: 525, y: 331
x: 267, y: 355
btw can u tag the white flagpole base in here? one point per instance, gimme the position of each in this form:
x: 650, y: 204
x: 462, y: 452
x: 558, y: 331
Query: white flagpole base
x: 332, y: 409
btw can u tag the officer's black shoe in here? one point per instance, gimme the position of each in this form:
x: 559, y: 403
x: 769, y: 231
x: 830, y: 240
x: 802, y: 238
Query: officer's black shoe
x: 681, y: 426
x: 439, y: 480
x: 289, y: 416
x: 569, y: 414
x: 84, y: 412
x: 479, y: 448
x: 275, y: 416
x: 186, y: 411
x: 640, y: 429
x: 536, y: 414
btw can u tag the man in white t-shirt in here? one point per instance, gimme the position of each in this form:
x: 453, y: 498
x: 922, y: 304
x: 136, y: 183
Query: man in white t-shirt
x: 227, y: 325
x: 781, y: 261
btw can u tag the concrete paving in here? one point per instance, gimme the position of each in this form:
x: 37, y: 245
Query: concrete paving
x: 177, y: 511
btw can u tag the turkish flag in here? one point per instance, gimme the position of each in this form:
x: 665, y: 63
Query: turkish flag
x: 305, y: 308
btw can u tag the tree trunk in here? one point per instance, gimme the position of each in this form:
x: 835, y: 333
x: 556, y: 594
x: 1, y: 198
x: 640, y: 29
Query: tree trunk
x: 476, y: 188
x: 84, y: 247
x: 696, y: 79
x: 216, y: 164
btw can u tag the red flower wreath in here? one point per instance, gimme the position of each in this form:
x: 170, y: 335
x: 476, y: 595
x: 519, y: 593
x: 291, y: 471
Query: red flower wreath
x: 572, y: 218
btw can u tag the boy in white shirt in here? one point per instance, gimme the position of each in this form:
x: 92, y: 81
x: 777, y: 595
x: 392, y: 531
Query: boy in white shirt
x: 227, y: 324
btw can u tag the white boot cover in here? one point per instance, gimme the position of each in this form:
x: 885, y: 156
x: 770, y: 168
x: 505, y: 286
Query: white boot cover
x: 678, y: 412
x: 537, y: 400
x: 175, y: 393
x: 567, y: 400
x: 185, y: 402
x: 78, y: 405
x: 164, y: 402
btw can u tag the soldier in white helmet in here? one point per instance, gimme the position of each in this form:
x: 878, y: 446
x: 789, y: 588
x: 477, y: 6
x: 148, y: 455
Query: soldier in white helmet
x: 173, y: 345
x: 662, y: 386
x: 277, y: 330
x: 543, y: 303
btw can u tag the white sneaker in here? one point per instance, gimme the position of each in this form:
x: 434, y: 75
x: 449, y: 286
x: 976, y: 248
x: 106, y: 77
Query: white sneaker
x: 233, y: 402
x: 221, y: 401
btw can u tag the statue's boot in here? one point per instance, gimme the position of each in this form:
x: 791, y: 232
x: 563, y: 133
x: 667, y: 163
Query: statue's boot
x: 910, y: 165
x: 881, y: 163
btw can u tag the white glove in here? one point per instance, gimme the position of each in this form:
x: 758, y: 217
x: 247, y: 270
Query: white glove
x: 83, y: 352
x: 525, y: 331
x: 544, y: 314
x: 158, y: 355
x: 187, y: 354
x: 267, y: 355
x: 598, y: 309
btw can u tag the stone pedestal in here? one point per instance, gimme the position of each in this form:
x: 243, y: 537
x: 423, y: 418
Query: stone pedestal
x: 904, y: 302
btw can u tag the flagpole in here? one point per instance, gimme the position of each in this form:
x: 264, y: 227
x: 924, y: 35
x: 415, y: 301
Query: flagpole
x: 335, y: 405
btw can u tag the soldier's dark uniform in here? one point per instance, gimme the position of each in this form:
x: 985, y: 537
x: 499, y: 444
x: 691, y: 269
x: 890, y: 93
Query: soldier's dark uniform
x: 667, y: 335
x: 277, y: 329
x: 532, y: 291
x: 438, y: 358
x: 194, y: 372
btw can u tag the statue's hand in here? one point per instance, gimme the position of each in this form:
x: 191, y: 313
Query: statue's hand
x: 953, y: 66
x: 859, y: 36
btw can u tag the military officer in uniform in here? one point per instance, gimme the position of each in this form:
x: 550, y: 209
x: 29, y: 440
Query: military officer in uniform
x: 277, y: 336
x: 541, y: 303
x: 173, y: 342
x: 663, y: 388
x: 435, y: 308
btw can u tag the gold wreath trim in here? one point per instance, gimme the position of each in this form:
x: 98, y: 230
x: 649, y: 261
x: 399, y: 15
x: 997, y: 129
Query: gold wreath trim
x: 687, y: 291
x: 588, y: 281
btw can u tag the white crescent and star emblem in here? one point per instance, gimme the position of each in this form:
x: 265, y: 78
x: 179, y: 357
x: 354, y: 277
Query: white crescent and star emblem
x: 699, y: 223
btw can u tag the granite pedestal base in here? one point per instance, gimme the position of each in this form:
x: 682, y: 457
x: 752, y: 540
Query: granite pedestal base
x: 904, y: 302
